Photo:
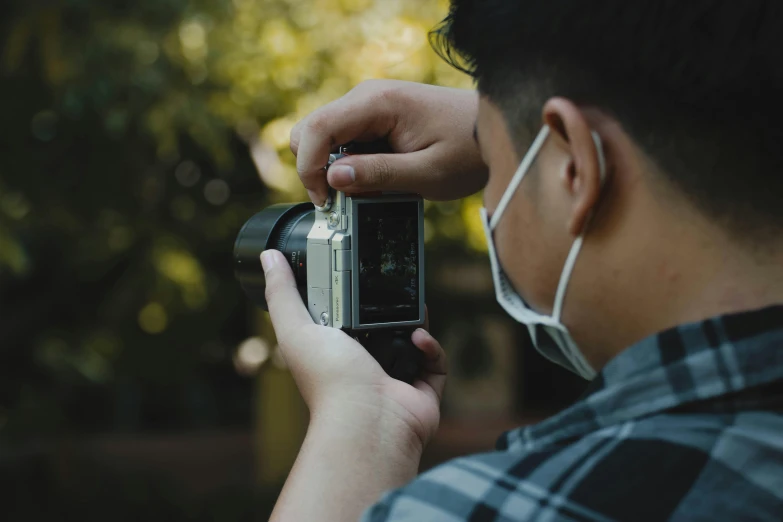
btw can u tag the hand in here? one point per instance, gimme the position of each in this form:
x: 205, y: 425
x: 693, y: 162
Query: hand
x: 339, y: 379
x: 430, y: 130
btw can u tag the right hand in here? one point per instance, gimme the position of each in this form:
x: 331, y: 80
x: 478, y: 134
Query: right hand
x: 430, y: 130
x: 337, y: 376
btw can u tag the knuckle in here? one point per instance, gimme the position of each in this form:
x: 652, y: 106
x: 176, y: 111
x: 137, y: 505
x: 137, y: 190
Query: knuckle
x: 368, y: 86
x: 276, y: 287
x: 306, y: 173
x: 316, y: 124
x: 383, y: 174
x: 384, y: 94
x: 271, y: 291
x: 374, y: 92
x: 296, y: 133
x: 302, y: 171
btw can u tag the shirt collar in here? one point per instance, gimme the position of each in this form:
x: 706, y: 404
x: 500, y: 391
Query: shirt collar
x: 692, y: 362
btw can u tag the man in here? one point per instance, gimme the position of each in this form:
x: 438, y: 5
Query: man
x: 634, y: 208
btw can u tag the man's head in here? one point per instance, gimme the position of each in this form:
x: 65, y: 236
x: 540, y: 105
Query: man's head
x: 684, y: 97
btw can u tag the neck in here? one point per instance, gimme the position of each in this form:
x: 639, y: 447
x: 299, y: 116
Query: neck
x: 681, y: 269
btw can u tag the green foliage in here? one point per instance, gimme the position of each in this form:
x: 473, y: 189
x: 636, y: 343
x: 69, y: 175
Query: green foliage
x: 133, y: 137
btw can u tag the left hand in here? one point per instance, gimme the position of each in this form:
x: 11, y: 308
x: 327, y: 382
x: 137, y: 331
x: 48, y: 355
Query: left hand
x: 339, y: 379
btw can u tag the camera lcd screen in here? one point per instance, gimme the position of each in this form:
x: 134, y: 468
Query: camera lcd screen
x: 388, y: 250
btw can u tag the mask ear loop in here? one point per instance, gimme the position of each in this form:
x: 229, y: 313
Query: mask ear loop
x: 524, y: 167
x: 565, y: 277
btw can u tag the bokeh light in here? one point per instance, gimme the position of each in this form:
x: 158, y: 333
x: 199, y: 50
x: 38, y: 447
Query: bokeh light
x: 44, y: 125
x: 250, y: 355
x: 153, y: 318
x: 217, y: 192
x: 187, y: 173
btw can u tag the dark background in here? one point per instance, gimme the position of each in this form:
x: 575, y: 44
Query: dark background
x: 135, y: 140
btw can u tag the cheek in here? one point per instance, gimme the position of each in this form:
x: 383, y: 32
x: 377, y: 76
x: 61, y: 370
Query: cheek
x: 494, y: 191
x: 524, y: 253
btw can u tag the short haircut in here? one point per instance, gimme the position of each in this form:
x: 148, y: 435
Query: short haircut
x: 695, y: 83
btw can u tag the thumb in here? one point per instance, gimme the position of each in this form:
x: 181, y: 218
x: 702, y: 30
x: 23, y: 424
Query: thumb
x: 286, y: 308
x: 369, y: 172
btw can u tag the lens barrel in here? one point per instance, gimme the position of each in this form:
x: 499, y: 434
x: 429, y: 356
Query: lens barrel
x: 282, y: 227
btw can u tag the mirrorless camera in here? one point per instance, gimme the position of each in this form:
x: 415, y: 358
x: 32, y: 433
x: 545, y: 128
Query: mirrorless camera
x: 358, y: 263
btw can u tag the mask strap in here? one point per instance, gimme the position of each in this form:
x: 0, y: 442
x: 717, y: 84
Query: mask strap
x: 577, y: 246
x: 527, y: 161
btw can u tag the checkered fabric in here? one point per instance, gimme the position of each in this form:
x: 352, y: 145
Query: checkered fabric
x: 685, y: 425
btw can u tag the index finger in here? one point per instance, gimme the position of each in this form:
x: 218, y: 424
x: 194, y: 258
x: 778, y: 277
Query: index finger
x: 353, y: 117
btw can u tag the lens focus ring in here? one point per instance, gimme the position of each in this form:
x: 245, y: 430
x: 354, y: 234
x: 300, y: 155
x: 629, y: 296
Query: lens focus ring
x: 280, y: 227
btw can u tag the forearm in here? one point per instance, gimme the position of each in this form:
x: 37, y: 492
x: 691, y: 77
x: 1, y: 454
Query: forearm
x: 347, y: 461
x: 367, y: 431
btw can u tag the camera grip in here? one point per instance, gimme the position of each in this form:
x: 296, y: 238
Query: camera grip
x: 396, y: 354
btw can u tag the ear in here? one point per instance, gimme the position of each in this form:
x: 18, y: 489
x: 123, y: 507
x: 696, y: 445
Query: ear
x: 582, y: 175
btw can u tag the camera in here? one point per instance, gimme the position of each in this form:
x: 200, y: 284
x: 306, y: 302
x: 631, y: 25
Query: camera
x: 358, y: 262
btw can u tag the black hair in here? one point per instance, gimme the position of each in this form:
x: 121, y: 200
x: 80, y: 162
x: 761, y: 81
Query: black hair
x: 695, y: 83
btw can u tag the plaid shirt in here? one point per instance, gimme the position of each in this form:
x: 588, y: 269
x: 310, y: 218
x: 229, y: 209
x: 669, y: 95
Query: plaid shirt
x: 685, y: 425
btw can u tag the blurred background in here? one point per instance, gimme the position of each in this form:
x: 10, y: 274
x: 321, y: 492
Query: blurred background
x: 136, y: 381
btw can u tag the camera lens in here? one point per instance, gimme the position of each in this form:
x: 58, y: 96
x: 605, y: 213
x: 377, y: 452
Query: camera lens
x: 280, y: 227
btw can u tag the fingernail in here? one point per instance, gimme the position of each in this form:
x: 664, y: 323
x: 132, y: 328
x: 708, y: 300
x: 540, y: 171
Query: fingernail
x: 422, y: 331
x: 268, y: 260
x: 316, y: 199
x: 341, y: 175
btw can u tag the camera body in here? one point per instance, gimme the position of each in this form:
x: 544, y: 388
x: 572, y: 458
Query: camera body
x: 359, y: 266
x: 365, y: 266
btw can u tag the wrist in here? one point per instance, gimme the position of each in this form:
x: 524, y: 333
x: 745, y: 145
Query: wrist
x: 370, y: 424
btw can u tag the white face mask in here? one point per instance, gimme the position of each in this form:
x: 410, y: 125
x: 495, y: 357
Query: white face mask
x: 549, y: 335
